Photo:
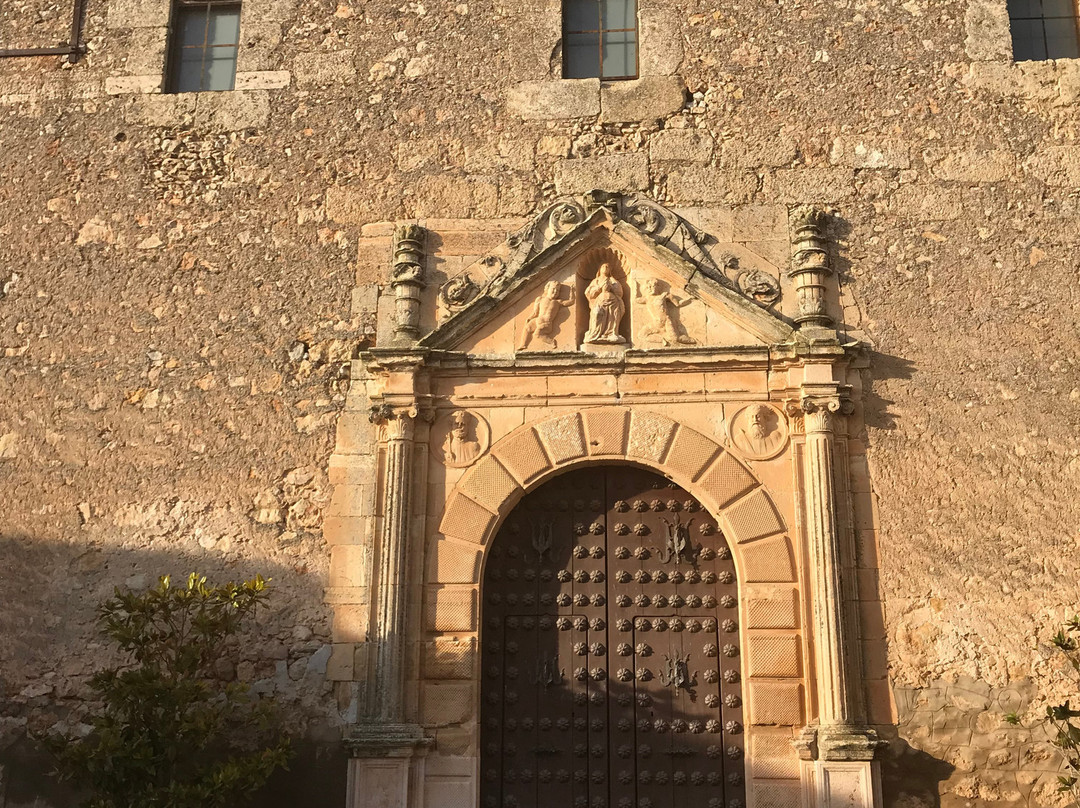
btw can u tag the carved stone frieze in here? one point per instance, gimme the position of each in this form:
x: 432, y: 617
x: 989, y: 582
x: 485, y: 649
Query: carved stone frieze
x: 758, y: 431
x: 514, y: 263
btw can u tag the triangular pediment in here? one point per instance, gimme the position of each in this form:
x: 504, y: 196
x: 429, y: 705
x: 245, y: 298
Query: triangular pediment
x: 544, y: 289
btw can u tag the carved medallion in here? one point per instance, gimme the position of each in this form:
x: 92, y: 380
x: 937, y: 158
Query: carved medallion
x: 758, y: 431
x: 458, y: 292
x: 760, y: 287
x: 462, y: 437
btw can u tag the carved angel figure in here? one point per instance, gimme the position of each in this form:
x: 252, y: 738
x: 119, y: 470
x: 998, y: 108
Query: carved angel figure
x: 660, y: 303
x: 541, y: 321
x: 606, y: 307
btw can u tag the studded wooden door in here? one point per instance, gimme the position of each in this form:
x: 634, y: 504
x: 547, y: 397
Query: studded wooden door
x: 610, y: 655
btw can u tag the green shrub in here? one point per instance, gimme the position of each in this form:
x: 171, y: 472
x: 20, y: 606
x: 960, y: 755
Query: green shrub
x: 168, y: 732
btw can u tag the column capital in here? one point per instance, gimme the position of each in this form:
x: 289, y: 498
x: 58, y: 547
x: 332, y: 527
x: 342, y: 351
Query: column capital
x: 838, y: 742
x: 395, y: 423
x: 822, y: 411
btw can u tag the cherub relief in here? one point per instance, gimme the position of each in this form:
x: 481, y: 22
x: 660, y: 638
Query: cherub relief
x: 660, y: 305
x: 541, y: 321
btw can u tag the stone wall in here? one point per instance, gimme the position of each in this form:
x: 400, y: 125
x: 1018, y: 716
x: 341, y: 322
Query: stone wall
x: 177, y: 308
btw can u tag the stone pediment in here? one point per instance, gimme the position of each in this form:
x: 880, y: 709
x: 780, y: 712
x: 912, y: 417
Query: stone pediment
x: 607, y: 273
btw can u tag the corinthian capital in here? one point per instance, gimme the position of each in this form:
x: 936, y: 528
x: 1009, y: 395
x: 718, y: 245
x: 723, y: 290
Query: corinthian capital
x: 395, y: 423
x: 822, y: 413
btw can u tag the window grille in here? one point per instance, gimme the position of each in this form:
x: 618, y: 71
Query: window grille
x: 600, y: 39
x: 204, y: 40
x: 1044, y: 29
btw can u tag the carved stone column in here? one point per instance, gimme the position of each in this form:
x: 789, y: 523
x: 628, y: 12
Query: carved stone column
x: 810, y: 268
x: 387, y: 753
x: 407, y: 281
x: 388, y: 634
x: 838, y: 752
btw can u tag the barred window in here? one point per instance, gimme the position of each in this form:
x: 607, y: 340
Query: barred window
x: 1044, y: 29
x: 204, y: 40
x: 600, y: 39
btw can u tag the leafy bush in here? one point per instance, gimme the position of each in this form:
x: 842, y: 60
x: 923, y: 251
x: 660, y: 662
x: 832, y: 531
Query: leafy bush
x: 1062, y: 718
x: 169, y: 733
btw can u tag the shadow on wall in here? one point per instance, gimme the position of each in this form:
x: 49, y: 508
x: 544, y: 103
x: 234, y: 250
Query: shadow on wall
x: 49, y: 592
x: 911, y: 778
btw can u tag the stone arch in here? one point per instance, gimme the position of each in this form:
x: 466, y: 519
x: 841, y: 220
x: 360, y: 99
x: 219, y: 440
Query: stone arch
x: 524, y: 459
x: 775, y: 663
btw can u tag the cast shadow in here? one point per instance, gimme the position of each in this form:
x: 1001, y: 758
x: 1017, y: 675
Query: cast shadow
x: 52, y: 588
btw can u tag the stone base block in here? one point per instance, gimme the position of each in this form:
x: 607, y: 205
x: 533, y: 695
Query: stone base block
x: 841, y: 784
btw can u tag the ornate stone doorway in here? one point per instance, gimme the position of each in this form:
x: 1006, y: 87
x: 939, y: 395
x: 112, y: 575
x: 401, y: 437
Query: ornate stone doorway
x: 610, y: 651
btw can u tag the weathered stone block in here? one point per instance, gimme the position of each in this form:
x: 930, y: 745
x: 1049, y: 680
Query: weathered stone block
x: 322, y: 69
x: 864, y: 153
x: 691, y: 185
x: 810, y: 185
x: 976, y: 166
x: 446, y: 703
x: 987, y: 26
x: 650, y: 435
x: 775, y: 611
x: 776, y: 703
x: 453, y: 563
x: 612, y: 172
x: 691, y: 452
x: 233, y: 110
x: 928, y: 203
x: 759, y: 223
x: 523, y: 455
x: 465, y: 519
x: 124, y: 85
x: 768, y: 561
x: 137, y: 14
x: 684, y: 145
x: 661, y: 46
x: 606, y: 430
x: 263, y: 80
x: 489, y: 483
x: 753, y: 517
x: 448, y: 610
x: 563, y: 437
x: 774, y: 656
x: 726, y: 480
x: 449, y: 659
x: 555, y: 99
x: 648, y: 98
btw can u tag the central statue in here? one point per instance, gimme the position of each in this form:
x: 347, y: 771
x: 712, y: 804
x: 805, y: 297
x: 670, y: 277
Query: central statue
x: 606, y: 307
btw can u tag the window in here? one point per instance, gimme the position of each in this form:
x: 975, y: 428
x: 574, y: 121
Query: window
x: 600, y: 39
x: 1043, y: 29
x: 205, y: 38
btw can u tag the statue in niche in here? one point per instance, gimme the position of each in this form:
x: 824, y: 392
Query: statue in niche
x: 661, y: 305
x: 461, y: 446
x: 541, y: 322
x: 606, y: 307
x: 758, y: 431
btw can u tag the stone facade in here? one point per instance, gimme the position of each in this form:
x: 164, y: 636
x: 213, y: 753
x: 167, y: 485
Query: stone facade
x: 194, y: 291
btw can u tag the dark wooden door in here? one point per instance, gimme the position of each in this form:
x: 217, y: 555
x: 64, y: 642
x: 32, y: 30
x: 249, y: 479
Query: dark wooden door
x: 610, y: 651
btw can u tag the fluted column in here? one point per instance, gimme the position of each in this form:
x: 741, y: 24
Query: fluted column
x: 837, y: 751
x: 387, y: 699
x: 832, y: 641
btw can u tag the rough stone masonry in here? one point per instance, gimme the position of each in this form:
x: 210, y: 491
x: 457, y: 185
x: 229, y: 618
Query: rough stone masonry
x: 184, y: 279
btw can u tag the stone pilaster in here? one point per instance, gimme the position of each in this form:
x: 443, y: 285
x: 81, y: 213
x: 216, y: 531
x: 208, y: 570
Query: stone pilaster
x: 838, y: 750
x: 386, y: 700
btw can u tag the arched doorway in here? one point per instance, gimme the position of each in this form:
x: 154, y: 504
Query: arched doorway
x: 610, y: 653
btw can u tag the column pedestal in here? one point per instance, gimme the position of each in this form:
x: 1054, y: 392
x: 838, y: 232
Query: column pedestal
x: 386, y: 767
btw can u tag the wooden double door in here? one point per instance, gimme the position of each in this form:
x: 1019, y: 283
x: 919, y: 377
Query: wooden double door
x: 610, y: 650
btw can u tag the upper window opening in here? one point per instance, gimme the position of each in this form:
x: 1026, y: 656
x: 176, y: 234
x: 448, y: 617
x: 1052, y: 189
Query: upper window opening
x: 600, y: 39
x: 1044, y: 29
x: 205, y: 39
